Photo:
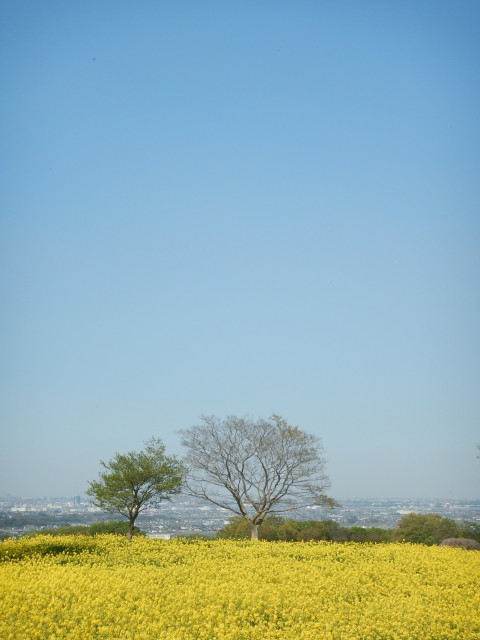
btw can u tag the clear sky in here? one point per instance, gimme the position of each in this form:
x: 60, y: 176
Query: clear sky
x: 241, y: 208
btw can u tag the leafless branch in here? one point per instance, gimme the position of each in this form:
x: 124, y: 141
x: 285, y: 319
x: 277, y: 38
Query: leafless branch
x: 254, y: 468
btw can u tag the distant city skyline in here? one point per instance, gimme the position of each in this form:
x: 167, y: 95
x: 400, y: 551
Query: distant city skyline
x: 189, y: 515
x: 85, y: 498
x: 241, y: 208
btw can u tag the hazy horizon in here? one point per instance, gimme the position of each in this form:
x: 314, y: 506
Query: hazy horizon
x: 242, y: 209
x: 338, y: 498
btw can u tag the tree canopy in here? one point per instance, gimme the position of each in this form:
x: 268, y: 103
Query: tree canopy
x: 255, y: 468
x: 132, y: 482
x: 429, y: 529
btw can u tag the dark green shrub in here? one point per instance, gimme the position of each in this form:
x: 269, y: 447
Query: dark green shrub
x: 289, y: 530
x: 471, y: 530
x: 119, y: 527
x: 427, y: 529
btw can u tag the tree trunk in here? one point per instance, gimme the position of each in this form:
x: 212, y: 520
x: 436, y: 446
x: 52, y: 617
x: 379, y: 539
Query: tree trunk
x: 130, y: 529
x: 254, y: 531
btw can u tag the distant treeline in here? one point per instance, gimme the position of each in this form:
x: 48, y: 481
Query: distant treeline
x: 423, y: 529
x: 428, y: 529
x: 120, y: 527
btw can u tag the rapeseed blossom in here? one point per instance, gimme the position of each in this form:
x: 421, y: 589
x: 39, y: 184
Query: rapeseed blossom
x: 75, y: 588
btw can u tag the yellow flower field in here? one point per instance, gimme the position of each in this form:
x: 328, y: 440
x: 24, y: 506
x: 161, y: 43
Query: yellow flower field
x: 84, y: 588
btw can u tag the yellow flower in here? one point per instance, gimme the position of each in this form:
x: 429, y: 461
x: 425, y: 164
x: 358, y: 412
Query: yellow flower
x: 108, y: 589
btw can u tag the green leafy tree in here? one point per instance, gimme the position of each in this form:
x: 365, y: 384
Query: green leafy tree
x: 471, y: 530
x: 255, y: 469
x: 426, y: 529
x: 288, y: 531
x: 322, y: 530
x: 132, y: 482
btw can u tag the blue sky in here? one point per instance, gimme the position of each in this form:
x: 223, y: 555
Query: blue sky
x: 241, y: 208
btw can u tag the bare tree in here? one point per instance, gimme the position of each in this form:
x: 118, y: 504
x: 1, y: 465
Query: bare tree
x: 255, y: 468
